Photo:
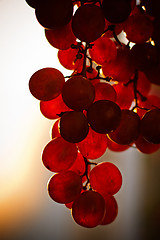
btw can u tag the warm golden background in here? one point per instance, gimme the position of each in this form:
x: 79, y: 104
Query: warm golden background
x: 26, y: 211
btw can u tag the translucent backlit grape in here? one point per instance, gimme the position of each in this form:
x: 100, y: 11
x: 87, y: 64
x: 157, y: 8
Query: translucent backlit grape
x: 74, y: 126
x: 68, y: 59
x: 120, y: 69
x: 146, y: 147
x: 55, y: 129
x: 103, y: 51
x: 106, y: 178
x: 129, y: 128
x: 143, y: 84
x: 118, y: 27
x: 94, y: 145
x: 51, y: 109
x: 111, y: 210
x: 104, y: 116
x: 150, y: 126
x: 59, y: 155
x: 79, y: 166
x: 139, y: 28
x: 88, y: 209
x: 46, y: 84
x: 104, y: 91
x: 64, y: 187
x: 115, y: 147
x: 151, y: 102
x: 121, y: 91
x: 61, y: 37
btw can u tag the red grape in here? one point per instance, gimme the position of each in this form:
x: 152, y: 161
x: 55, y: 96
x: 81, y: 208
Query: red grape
x: 143, y: 85
x: 46, y: 84
x: 52, y: 14
x: 106, y: 178
x: 146, y: 147
x: 88, y: 209
x: 74, y: 126
x: 94, y: 145
x: 115, y: 147
x: 150, y: 126
x: 59, y: 155
x: 138, y: 28
x: 51, y: 109
x: 151, y: 102
x: 111, y: 210
x: 67, y: 59
x: 118, y: 27
x: 79, y: 166
x: 65, y: 186
x: 88, y: 23
x: 104, y: 91
x: 78, y: 93
x: 103, y: 51
x: 128, y: 130
x: 121, y: 90
x: 61, y: 37
x: 55, y: 129
x: 121, y: 68
x: 104, y: 116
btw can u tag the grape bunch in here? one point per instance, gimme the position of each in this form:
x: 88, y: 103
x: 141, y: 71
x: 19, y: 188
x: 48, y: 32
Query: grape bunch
x: 106, y: 103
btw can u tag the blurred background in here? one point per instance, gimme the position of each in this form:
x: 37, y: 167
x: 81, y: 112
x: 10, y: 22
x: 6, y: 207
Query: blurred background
x: 26, y: 211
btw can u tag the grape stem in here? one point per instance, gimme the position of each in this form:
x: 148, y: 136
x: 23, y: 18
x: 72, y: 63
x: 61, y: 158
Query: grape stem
x: 112, y: 28
x: 83, y: 72
x: 87, y: 163
x: 79, y: 55
x: 108, y: 79
x: 135, y: 79
x: 136, y: 91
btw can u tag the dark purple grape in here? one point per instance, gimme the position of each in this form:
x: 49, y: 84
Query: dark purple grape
x: 104, y: 116
x: 53, y: 14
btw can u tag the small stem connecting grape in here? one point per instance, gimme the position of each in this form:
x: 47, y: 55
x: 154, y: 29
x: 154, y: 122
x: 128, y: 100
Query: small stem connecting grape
x: 87, y: 163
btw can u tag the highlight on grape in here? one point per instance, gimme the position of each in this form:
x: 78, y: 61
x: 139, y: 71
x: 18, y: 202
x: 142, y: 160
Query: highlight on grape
x: 107, y: 101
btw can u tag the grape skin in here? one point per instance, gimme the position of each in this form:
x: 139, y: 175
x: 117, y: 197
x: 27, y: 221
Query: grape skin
x: 88, y: 209
x: 74, y: 126
x: 150, y: 126
x: 46, y: 84
x: 59, y: 155
x: 106, y: 178
x: 88, y: 23
x: 104, y: 116
x: 64, y: 187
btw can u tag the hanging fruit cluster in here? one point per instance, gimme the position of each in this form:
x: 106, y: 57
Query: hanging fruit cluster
x: 107, y: 101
